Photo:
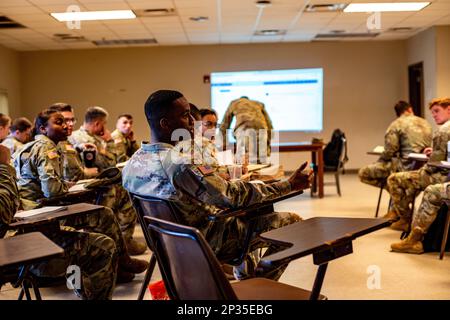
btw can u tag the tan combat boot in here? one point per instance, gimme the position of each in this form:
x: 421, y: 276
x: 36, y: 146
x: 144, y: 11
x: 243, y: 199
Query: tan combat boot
x: 412, y: 244
x: 402, y: 224
x: 391, y: 215
x: 135, y: 247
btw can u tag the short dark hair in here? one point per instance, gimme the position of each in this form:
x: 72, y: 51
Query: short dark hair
x: 158, y: 106
x: 61, y: 107
x: 205, y: 112
x: 42, y: 119
x: 95, y: 113
x: 4, y: 120
x: 401, y: 107
x: 125, y: 115
x: 21, y: 124
x: 195, y: 112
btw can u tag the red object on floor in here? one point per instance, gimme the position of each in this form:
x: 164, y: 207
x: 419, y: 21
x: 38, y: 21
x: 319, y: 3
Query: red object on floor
x: 158, y: 291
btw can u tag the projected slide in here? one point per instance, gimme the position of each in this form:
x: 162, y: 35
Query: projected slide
x: 293, y: 98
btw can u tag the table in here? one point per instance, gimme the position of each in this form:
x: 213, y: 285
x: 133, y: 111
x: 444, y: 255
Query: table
x: 325, y: 238
x: 21, y: 252
x: 316, y: 158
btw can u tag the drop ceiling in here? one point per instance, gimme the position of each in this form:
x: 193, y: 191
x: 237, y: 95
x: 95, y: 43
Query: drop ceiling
x: 228, y: 21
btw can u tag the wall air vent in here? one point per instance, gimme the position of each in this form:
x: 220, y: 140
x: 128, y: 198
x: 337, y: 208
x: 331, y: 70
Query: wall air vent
x: 105, y: 42
x: 333, y: 7
x: 400, y: 29
x: 7, y: 23
x: 67, y: 37
x: 339, y: 36
x: 164, y: 12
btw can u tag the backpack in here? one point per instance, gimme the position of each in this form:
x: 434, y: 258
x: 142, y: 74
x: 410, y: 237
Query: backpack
x: 433, y: 238
x: 333, y: 149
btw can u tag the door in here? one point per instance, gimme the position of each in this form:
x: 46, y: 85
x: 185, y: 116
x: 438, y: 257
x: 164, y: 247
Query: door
x: 415, y: 77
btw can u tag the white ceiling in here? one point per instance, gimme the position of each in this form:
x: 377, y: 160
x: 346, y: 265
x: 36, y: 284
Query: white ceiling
x: 230, y: 21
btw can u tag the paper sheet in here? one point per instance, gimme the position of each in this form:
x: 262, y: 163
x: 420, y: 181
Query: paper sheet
x: 34, y: 212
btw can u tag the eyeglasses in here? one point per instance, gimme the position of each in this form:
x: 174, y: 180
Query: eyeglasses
x: 70, y: 120
x: 210, y: 124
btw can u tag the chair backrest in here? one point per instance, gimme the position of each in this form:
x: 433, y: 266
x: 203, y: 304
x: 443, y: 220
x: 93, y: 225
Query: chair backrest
x: 189, y: 268
x: 153, y: 207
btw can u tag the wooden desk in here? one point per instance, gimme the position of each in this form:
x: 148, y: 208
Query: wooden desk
x: 316, y: 150
x: 18, y: 253
x: 325, y: 238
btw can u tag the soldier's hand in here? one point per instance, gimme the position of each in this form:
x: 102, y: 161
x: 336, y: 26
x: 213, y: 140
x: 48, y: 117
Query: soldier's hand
x: 90, y: 172
x: 300, y: 180
x: 428, y: 151
x: 5, y: 155
x: 107, y: 135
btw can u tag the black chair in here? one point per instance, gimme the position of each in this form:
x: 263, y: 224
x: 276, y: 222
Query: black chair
x: 165, y: 210
x: 338, y: 166
x: 191, y: 271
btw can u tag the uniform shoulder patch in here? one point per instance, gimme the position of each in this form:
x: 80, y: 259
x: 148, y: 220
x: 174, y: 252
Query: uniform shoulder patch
x: 205, y: 169
x: 118, y: 140
x: 52, y: 154
x: 70, y: 148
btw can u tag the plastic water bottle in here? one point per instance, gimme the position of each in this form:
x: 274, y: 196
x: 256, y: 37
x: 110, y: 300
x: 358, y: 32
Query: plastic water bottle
x: 448, y: 151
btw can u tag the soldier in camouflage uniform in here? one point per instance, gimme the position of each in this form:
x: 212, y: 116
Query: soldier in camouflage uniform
x: 253, y: 125
x: 433, y: 198
x: 94, y: 253
x: 116, y: 197
x: 20, y: 134
x: 123, y: 136
x: 39, y: 170
x: 406, y: 134
x: 197, y: 191
x: 404, y: 186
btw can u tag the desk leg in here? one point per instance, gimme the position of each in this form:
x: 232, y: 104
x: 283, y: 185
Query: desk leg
x: 320, y: 173
x: 318, y: 281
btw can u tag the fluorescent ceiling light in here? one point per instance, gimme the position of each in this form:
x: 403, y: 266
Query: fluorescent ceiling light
x: 386, y: 6
x: 93, y: 15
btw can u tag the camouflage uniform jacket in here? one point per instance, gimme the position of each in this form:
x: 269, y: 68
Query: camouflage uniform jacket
x: 406, y: 134
x: 440, y: 139
x: 159, y: 171
x: 105, y: 157
x: 12, y: 144
x: 125, y: 148
x: 9, y: 196
x: 73, y: 169
x: 39, y: 170
x: 248, y: 113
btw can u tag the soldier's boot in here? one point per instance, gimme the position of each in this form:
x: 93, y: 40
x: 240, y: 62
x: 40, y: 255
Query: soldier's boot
x: 128, y: 264
x: 402, y: 224
x: 391, y: 215
x: 124, y: 276
x: 136, y: 248
x: 412, y: 244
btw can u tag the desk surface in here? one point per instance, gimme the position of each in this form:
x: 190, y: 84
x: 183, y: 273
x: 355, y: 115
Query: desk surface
x: 439, y: 164
x: 27, y: 248
x: 315, y: 234
x: 72, y: 209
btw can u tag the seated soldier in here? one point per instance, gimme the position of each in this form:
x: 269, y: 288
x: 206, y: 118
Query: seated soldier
x: 5, y: 123
x: 38, y: 166
x: 123, y: 136
x: 406, y: 134
x: 94, y: 132
x: 20, y: 134
x: 404, y: 186
x: 197, y: 192
x: 209, y: 123
x: 433, y: 198
x: 94, y: 253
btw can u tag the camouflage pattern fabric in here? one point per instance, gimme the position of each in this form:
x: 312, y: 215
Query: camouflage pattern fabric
x: 404, y: 135
x: 197, y: 191
x: 105, y: 157
x: 433, y: 198
x: 94, y: 253
x: 404, y: 186
x: 124, y: 147
x: 73, y: 169
x: 12, y: 144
